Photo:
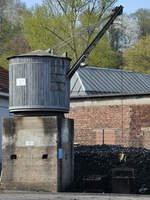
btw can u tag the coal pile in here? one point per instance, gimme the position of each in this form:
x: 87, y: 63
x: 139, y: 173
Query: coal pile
x: 94, y: 165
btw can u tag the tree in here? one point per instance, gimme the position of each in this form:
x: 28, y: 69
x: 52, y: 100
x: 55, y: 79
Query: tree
x: 138, y: 58
x: 142, y: 16
x: 14, y: 46
x: 11, y: 10
x: 124, y: 33
x: 65, y: 25
x: 12, y: 40
x: 103, y: 56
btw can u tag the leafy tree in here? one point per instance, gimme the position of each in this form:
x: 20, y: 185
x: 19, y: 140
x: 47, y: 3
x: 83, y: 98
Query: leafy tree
x: 138, y: 58
x: 14, y: 46
x: 142, y: 16
x: 67, y: 24
x: 12, y: 10
x: 12, y: 40
x: 124, y: 33
x: 103, y: 56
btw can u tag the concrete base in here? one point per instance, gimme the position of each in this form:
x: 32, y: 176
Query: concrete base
x: 37, y: 153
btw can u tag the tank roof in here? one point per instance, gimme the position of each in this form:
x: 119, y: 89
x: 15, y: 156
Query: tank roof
x: 39, y: 53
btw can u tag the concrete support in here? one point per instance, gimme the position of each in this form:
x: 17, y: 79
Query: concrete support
x: 37, y: 153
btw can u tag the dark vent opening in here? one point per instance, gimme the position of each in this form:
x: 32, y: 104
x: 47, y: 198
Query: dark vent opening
x: 13, y: 157
x: 44, y: 156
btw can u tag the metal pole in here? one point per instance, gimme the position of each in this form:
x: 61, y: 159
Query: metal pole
x: 103, y: 136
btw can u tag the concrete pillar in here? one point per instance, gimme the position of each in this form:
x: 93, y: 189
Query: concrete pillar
x: 37, y: 153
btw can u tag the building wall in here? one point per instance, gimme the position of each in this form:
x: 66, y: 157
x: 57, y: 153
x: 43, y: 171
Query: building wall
x: 4, y: 112
x: 125, y: 121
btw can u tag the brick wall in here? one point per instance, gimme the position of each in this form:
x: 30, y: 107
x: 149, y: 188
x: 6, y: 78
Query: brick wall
x: 105, y: 136
x: 140, y: 126
x: 127, y: 125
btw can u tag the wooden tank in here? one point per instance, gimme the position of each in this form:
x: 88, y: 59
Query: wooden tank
x: 38, y: 83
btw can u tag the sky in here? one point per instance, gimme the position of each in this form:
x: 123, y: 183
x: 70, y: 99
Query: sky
x: 31, y: 3
x: 130, y: 6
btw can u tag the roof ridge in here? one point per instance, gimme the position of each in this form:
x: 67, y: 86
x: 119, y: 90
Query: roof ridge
x: 117, y: 70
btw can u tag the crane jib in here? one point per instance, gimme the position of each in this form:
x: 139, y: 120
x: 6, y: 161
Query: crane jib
x: 117, y: 11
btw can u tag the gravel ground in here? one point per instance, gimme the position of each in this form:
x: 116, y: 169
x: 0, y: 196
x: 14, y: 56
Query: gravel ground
x: 21, y: 195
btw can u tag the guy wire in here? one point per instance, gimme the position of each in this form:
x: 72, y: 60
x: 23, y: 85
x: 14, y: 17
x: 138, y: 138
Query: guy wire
x: 81, y: 32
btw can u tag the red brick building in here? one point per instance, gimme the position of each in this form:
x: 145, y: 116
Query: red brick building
x: 111, y: 107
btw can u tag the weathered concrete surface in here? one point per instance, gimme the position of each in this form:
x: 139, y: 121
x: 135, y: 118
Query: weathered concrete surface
x: 13, y: 195
x: 30, y: 147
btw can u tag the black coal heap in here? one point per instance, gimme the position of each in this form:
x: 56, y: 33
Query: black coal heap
x: 95, y: 163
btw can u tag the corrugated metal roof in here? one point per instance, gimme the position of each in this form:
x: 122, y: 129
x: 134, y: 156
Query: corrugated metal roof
x: 94, y: 81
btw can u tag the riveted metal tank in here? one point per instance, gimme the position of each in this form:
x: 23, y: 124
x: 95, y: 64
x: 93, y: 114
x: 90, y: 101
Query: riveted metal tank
x: 38, y: 83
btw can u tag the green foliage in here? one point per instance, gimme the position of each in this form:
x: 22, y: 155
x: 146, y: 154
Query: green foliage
x: 103, y: 56
x: 16, y: 45
x: 12, y: 40
x: 143, y: 18
x: 3, y: 61
x: 7, y: 31
x: 138, y: 58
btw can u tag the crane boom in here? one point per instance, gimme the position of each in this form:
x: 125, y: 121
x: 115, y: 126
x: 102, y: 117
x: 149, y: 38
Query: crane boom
x: 117, y: 11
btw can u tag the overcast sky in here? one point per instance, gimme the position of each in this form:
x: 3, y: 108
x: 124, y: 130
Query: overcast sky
x: 130, y: 6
